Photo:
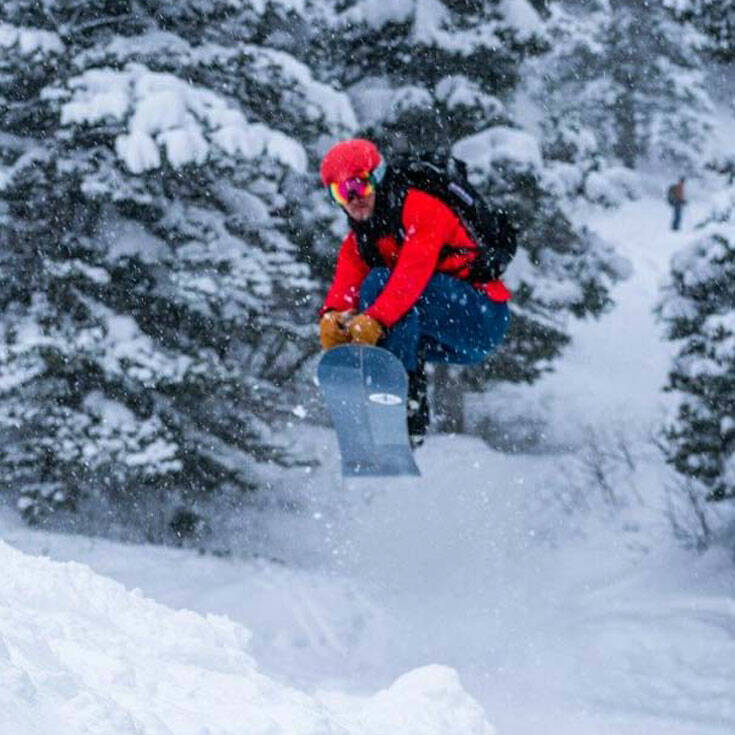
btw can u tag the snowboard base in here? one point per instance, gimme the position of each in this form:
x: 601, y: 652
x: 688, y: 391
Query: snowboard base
x: 365, y: 390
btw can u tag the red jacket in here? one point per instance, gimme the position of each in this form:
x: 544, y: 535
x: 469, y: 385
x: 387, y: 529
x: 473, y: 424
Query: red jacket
x: 435, y: 240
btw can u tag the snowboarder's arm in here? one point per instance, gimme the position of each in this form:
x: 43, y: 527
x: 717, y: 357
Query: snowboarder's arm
x: 344, y: 294
x: 428, y: 224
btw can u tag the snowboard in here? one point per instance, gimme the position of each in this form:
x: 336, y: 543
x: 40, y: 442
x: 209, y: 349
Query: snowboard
x: 365, y: 390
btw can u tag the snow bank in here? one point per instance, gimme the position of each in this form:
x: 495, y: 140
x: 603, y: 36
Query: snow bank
x: 81, y: 654
x: 423, y: 702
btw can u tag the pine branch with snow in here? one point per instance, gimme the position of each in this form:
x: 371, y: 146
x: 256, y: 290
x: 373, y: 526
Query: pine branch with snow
x: 698, y: 308
x: 154, y: 322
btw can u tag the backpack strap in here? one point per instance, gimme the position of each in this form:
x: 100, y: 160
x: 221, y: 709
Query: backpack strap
x: 492, y: 230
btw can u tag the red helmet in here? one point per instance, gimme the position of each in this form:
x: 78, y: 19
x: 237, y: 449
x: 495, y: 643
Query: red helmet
x: 350, y: 158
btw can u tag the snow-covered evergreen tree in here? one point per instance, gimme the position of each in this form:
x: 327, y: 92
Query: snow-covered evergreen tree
x: 699, y: 310
x: 155, y: 303
x: 431, y: 75
x: 628, y: 74
x: 716, y: 18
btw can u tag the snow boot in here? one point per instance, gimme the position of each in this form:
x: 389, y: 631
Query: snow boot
x: 417, y: 407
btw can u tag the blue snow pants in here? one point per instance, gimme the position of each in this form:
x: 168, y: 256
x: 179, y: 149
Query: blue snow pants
x: 676, y: 222
x: 451, y: 322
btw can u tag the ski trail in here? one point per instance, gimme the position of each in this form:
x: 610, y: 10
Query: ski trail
x: 613, y: 372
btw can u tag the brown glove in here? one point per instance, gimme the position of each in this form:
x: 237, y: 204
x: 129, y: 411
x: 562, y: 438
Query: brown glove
x: 365, y: 330
x: 333, y: 330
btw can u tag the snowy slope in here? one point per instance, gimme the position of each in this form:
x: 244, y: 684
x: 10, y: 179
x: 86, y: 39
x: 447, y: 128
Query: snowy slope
x: 612, y: 373
x: 556, y: 623
x: 616, y: 367
x: 564, y: 611
x: 80, y: 654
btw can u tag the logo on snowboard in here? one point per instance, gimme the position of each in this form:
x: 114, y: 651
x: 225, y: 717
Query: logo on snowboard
x: 385, y: 399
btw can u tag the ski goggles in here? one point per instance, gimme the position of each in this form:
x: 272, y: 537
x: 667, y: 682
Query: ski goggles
x: 355, y: 188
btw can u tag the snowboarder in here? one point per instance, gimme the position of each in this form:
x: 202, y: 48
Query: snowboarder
x: 677, y: 201
x: 406, y: 292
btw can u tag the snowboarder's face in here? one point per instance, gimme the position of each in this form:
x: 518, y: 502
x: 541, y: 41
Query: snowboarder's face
x: 361, y: 208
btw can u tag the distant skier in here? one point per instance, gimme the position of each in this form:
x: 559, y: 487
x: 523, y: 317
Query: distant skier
x: 677, y: 201
x: 401, y: 275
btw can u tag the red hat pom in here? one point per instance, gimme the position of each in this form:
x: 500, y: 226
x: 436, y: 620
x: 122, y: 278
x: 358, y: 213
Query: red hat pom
x: 349, y: 158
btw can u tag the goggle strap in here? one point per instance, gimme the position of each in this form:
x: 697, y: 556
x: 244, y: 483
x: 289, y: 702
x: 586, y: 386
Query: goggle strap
x: 377, y: 174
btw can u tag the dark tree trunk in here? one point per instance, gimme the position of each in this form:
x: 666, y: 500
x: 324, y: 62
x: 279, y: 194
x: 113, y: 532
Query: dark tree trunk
x: 448, y: 403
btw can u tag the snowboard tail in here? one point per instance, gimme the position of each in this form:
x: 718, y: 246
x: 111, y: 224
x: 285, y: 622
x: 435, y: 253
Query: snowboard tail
x: 365, y: 389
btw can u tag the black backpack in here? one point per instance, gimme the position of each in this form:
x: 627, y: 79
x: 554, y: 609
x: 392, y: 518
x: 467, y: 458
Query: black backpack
x: 671, y: 197
x: 492, y: 229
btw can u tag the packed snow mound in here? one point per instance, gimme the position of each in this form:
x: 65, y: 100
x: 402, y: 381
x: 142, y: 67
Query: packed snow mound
x: 81, y: 654
x: 425, y: 701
